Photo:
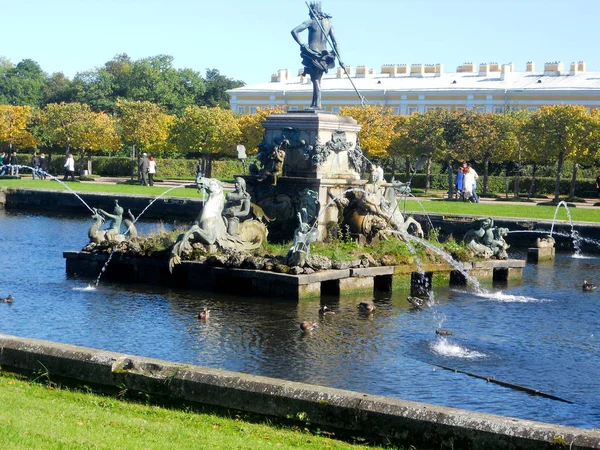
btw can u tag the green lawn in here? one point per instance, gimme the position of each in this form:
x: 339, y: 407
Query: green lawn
x: 152, y: 191
x: 529, y: 211
x: 36, y: 416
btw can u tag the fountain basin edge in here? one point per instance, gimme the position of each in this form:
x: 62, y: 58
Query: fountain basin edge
x: 201, y: 276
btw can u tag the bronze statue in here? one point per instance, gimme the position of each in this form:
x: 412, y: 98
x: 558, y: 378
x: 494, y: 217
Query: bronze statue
x: 316, y: 59
x: 113, y: 233
x: 237, y: 206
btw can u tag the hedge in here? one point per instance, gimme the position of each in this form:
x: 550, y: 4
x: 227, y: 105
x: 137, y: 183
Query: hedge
x: 543, y: 185
x: 177, y: 169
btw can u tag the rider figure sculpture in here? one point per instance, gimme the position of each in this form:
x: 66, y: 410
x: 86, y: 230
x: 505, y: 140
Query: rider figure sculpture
x: 316, y: 59
x: 237, y: 206
x: 116, y: 219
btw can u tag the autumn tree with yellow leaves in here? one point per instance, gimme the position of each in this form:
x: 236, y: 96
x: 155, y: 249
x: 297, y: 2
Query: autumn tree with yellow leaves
x: 14, y: 127
x: 207, y: 131
x: 142, y: 125
x: 378, y: 127
x: 251, y: 126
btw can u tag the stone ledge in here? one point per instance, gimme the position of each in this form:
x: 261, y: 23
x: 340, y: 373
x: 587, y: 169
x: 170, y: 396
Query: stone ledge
x: 414, y: 423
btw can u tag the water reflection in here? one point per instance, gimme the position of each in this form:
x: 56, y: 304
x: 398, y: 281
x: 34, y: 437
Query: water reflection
x: 542, y: 334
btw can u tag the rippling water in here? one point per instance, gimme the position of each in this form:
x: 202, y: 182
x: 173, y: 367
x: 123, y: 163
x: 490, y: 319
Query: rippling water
x: 542, y: 333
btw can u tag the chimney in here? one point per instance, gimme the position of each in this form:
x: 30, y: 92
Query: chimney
x: 553, y: 69
x: 362, y: 72
x: 581, y: 66
x: 507, y: 69
x: 439, y: 70
x: 530, y: 66
x: 340, y: 72
x: 417, y: 70
x: 494, y: 67
x: 466, y: 67
x: 390, y: 69
x: 484, y: 70
x: 574, y: 69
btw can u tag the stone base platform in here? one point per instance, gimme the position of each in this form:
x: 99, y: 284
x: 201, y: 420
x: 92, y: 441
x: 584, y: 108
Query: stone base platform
x: 540, y: 254
x: 196, y: 275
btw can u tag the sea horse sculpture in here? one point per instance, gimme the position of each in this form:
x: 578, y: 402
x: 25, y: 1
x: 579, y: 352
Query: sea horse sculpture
x: 486, y: 240
x: 113, y: 234
x: 213, y: 226
x: 375, y: 215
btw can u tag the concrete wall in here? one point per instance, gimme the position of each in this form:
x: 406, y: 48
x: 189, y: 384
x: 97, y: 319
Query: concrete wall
x: 411, y: 422
x: 66, y: 202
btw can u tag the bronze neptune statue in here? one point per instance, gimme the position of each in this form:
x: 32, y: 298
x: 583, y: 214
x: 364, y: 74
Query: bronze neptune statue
x: 316, y: 59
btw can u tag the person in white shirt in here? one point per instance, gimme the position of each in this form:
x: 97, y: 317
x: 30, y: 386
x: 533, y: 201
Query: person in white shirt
x: 377, y: 174
x: 475, y: 177
x: 469, y: 182
x: 69, y: 168
x: 151, y: 170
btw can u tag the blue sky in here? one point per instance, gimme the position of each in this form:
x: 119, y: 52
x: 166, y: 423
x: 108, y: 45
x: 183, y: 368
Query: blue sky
x: 250, y: 40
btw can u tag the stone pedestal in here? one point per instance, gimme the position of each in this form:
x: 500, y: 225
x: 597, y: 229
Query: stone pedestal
x: 322, y: 160
x: 536, y: 254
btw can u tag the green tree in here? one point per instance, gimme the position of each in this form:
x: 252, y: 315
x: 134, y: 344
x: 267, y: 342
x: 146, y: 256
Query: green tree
x: 217, y: 86
x: 558, y: 132
x: 142, y: 124
x: 206, y: 131
x: 63, y: 123
x: 57, y: 89
x: 23, y: 84
x: 425, y: 135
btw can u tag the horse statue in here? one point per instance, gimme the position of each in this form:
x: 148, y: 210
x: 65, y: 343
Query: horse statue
x: 486, y: 240
x: 375, y: 215
x: 111, y: 235
x: 211, y: 226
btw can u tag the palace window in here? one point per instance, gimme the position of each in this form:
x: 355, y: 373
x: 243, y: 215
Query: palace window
x: 335, y: 109
x: 252, y: 110
x: 241, y: 110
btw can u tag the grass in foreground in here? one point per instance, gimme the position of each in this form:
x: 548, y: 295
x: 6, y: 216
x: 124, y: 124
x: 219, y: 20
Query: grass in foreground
x: 43, y: 417
x: 525, y: 211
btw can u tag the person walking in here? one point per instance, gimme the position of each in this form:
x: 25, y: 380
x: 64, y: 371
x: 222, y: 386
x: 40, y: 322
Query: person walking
x: 14, y: 164
x: 43, y: 166
x: 458, y: 182
x: 69, y: 168
x: 35, y: 166
x: 143, y: 169
x: 598, y: 185
x: 151, y: 170
x: 3, y: 167
x: 475, y: 176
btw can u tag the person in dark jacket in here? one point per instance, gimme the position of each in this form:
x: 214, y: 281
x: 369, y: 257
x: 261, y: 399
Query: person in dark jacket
x: 143, y: 169
x: 43, y: 166
x: 35, y: 166
x: 14, y: 164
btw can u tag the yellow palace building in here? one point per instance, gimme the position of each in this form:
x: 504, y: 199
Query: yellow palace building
x: 489, y: 87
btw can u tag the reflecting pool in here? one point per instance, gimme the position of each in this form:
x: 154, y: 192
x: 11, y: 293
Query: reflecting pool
x: 542, y: 333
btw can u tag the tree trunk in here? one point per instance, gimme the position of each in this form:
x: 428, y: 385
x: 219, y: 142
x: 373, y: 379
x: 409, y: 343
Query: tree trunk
x: 89, y: 162
x: 407, y: 167
x: 132, y: 161
x: 573, y: 181
x: 450, y: 180
x: 67, y: 148
x: 558, y: 171
x: 532, y: 186
x: 428, y: 176
x: 517, y: 181
x: 393, y: 168
x: 486, y: 166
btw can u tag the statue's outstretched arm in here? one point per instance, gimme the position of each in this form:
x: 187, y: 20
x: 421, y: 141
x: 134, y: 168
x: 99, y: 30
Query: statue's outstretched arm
x: 107, y: 215
x: 336, y: 48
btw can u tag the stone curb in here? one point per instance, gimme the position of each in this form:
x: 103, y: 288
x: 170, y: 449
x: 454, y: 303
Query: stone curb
x: 412, y: 422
